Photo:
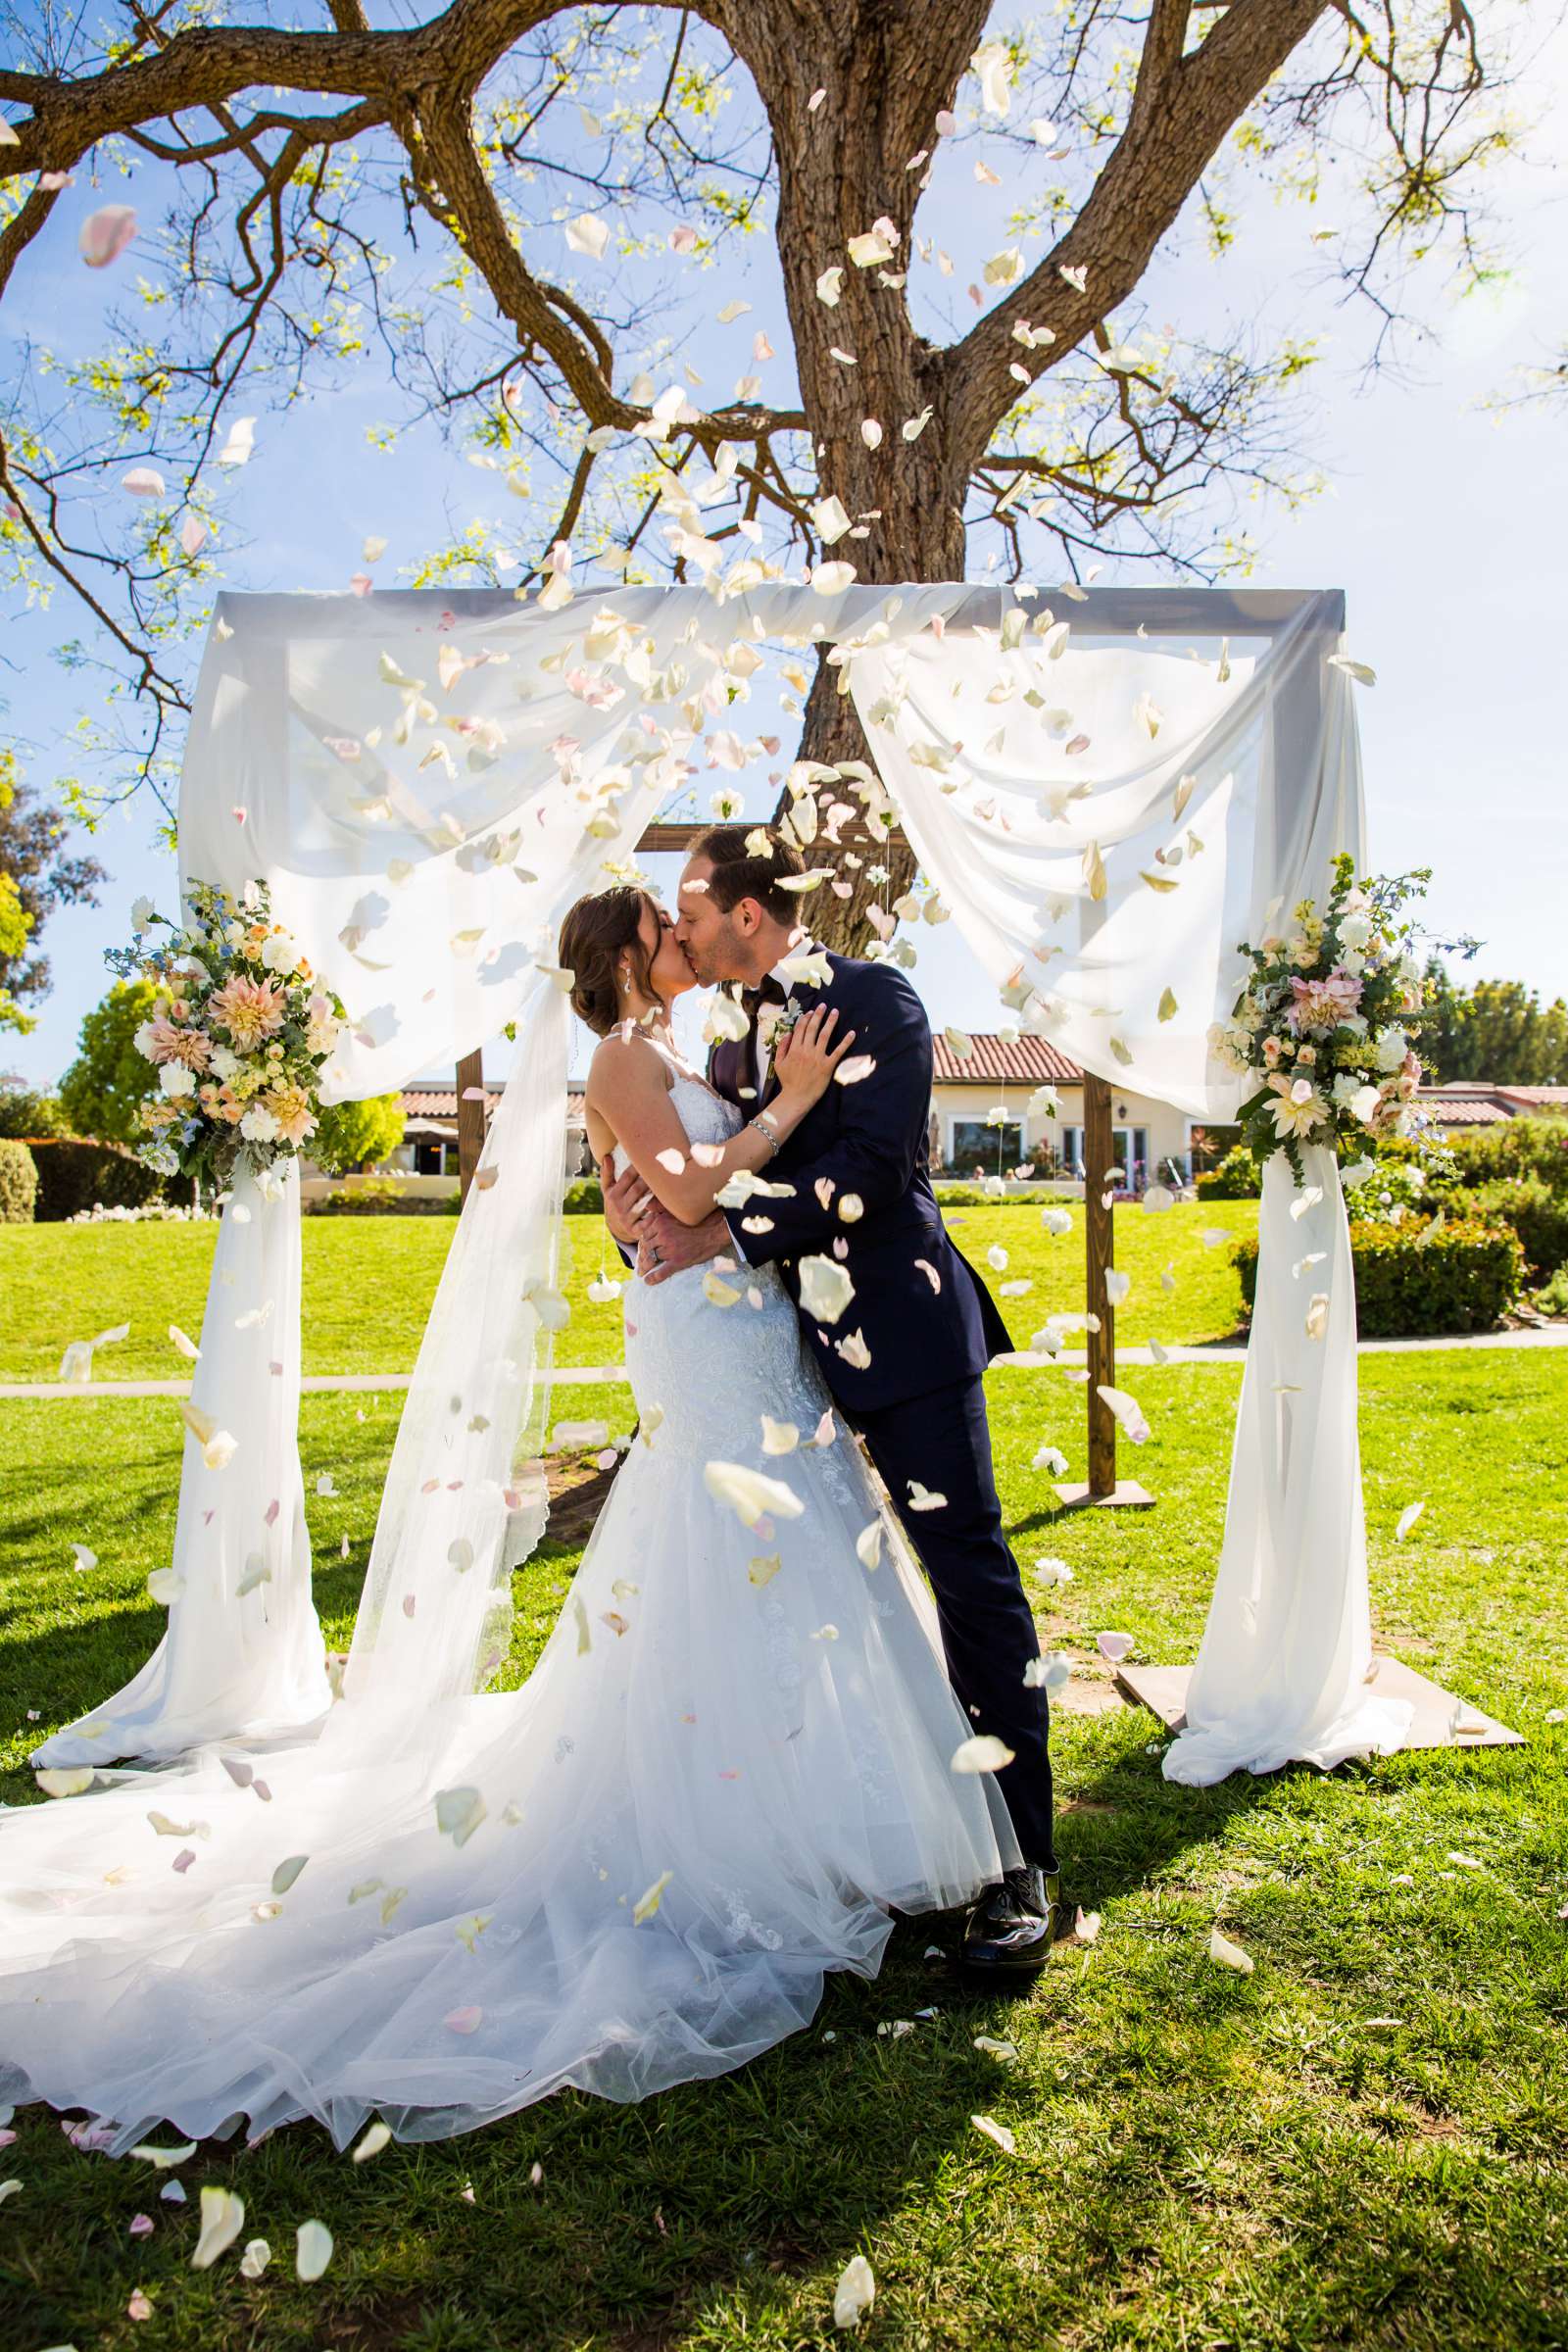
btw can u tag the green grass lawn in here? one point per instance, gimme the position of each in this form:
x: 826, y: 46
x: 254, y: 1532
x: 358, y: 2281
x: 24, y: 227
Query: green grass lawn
x: 1364, y: 2143
x: 67, y: 1282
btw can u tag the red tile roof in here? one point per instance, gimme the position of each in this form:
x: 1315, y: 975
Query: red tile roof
x: 1029, y: 1063
x: 1538, y: 1098
x: 441, y: 1102
x: 1450, y: 1110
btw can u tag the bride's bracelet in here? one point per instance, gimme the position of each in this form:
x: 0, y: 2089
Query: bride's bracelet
x: 764, y: 1122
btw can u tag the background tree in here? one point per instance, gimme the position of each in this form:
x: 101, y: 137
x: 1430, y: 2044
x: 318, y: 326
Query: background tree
x: 1495, y: 1031
x: 521, y: 161
x: 36, y: 877
x: 25, y: 1111
x: 109, y: 1078
x: 358, y: 1135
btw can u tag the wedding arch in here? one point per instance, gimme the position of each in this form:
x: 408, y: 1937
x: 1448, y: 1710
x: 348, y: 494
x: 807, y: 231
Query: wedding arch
x: 1109, y: 787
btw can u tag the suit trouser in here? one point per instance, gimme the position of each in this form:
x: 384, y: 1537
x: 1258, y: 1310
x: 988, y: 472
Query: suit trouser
x: 988, y: 1629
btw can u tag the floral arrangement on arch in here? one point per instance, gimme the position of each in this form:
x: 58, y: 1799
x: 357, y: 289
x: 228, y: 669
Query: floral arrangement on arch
x: 239, y: 1034
x: 1323, y: 1020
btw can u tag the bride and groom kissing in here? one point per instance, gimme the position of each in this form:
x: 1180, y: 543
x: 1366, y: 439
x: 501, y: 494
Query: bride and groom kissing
x: 750, y: 1741
x: 826, y: 1101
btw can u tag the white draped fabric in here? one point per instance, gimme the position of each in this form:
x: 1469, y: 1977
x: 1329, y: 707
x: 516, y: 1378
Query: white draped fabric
x: 1108, y: 817
x: 242, y: 1656
x: 1287, y: 1655
x: 426, y: 781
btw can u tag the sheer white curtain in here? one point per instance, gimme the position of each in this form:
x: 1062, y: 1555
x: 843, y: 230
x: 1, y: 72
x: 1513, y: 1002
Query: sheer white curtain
x: 425, y: 784
x: 1108, y: 809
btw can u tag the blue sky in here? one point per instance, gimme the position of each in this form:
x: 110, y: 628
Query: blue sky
x: 1443, y: 524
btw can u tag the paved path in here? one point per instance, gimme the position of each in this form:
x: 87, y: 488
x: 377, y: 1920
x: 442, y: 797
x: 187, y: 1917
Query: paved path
x: 599, y: 1375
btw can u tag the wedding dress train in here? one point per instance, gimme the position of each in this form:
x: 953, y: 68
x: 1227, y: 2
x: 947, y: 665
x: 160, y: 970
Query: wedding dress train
x: 732, y: 1758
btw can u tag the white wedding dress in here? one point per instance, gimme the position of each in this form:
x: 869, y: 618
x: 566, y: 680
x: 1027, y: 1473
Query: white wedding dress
x: 633, y: 1870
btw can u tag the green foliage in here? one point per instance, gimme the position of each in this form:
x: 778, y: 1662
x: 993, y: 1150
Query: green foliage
x: 19, y: 1182
x: 1495, y: 1030
x: 109, y: 1079
x: 35, y: 878
x: 1535, y: 1213
x: 584, y: 1197
x: 384, y: 1196
x: 1237, y: 1178
x: 1417, y: 1281
x: 23, y: 1112
x: 1552, y: 1298
x: 15, y: 926
x: 356, y: 1135
x: 1520, y: 1148
x: 74, y: 1175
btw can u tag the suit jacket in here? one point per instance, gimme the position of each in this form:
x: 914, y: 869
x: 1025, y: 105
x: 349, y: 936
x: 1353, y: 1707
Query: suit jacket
x: 923, y: 1330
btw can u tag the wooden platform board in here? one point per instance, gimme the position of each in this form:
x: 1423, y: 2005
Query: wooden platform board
x: 1125, y: 1496
x: 1163, y: 1690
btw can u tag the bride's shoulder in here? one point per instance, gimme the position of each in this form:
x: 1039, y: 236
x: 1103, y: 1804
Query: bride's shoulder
x: 623, y: 1058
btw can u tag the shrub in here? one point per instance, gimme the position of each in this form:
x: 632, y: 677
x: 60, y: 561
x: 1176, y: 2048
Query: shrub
x: 23, y: 1114
x: 1237, y: 1178
x: 1520, y: 1148
x: 19, y: 1182
x: 1413, y: 1281
x: 1553, y: 1299
x: 584, y: 1196
x: 74, y: 1174
x: 382, y: 1196
x: 1394, y: 1187
x: 1537, y: 1216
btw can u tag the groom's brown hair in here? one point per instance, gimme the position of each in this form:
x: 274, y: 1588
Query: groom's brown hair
x: 738, y: 875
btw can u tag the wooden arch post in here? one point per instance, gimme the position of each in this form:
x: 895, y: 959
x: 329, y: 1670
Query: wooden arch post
x: 1103, y: 1487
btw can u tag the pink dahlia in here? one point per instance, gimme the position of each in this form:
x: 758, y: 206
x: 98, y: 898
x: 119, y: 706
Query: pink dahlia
x: 171, y: 1043
x: 1323, y: 1004
x: 249, y: 1009
x: 290, y: 1106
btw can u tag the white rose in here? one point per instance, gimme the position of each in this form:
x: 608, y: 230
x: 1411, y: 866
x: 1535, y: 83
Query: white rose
x: 234, y: 934
x: 1391, y: 1048
x: 143, y: 1041
x: 142, y: 912
x: 175, y: 1080
x: 258, y: 1126
x: 1353, y: 962
x: 1355, y: 931
x: 280, y: 952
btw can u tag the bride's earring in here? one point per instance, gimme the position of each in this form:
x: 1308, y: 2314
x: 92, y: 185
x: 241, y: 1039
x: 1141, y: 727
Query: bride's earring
x: 626, y: 983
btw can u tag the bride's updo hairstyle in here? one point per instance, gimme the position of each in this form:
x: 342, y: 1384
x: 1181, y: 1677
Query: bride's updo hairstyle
x: 596, y: 933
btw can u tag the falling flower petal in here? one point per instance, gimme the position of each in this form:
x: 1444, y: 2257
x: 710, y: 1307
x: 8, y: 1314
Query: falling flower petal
x: 223, y: 2220
x: 647, y: 1904
x: 984, y: 1752
x: 313, y: 2249
x: 991, y: 2130
x: 1407, y: 1519
x: 749, y: 1494
x: 105, y: 234
x: 854, y: 2294
x: 1226, y: 1954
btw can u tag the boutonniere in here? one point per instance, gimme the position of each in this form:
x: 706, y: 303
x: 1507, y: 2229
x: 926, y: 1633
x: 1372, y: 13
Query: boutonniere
x: 774, y: 1021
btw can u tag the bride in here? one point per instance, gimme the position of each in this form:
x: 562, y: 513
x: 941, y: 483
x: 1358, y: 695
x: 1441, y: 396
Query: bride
x: 731, y: 1763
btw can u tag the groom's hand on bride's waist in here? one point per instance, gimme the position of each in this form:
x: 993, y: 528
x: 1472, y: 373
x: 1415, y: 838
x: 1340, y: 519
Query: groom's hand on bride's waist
x: 627, y: 1201
x: 668, y: 1246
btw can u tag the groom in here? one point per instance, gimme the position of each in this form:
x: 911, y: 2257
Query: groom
x: 905, y: 1362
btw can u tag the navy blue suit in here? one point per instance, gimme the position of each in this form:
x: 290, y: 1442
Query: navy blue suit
x: 930, y: 1327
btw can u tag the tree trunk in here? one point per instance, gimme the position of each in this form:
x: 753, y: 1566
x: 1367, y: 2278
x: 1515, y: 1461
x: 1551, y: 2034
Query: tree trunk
x: 840, y: 169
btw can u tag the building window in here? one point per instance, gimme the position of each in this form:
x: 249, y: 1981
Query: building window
x: 977, y: 1146
x: 1129, y: 1147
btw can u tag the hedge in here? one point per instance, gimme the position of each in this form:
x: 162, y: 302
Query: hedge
x: 382, y: 1196
x: 1537, y: 1216
x: 1465, y: 1278
x: 19, y: 1182
x: 1237, y: 1178
x: 74, y: 1174
x: 1515, y: 1148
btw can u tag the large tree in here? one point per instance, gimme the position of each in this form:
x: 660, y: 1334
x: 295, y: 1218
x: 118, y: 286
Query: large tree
x: 37, y: 875
x: 1048, y: 421
x: 1496, y: 1032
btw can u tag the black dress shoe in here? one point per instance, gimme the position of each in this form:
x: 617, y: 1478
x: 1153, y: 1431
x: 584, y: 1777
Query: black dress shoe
x: 1009, y: 1931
